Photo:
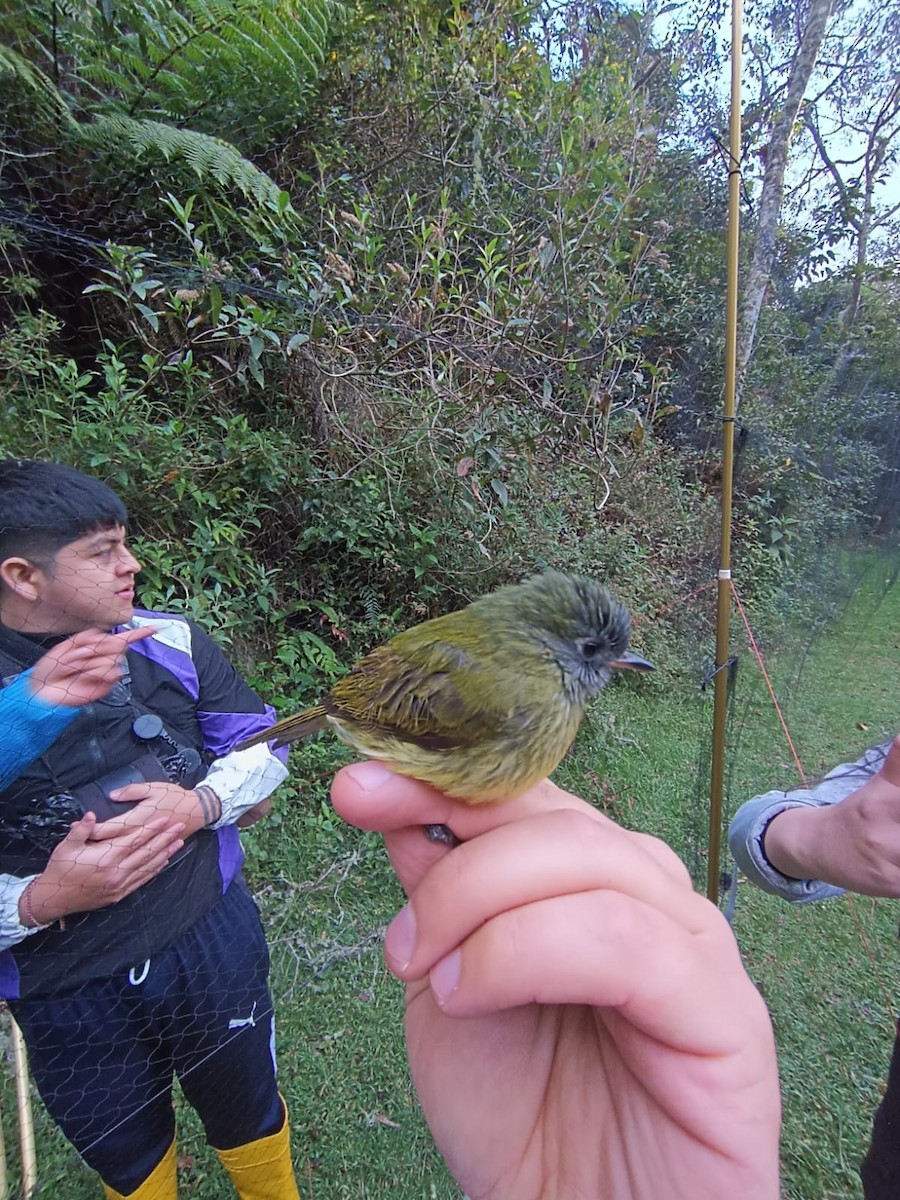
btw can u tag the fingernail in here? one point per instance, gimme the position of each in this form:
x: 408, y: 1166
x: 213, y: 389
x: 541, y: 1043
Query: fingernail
x: 400, y: 939
x: 445, y: 977
x: 369, y: 776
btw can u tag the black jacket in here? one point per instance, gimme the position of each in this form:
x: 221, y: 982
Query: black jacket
x: 181, y: 677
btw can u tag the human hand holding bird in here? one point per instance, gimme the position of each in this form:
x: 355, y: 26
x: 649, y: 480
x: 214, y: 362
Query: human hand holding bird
x: 484, y: 702
x: 578, y: 1020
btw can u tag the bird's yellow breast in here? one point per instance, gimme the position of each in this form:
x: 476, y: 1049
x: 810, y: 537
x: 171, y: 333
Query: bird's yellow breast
x: 497, y: 767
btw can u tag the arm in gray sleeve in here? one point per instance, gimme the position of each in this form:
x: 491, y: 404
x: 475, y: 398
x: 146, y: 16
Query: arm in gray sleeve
x: 748, y: 827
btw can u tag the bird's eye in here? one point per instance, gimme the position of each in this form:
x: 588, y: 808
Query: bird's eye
x: 590, y: 649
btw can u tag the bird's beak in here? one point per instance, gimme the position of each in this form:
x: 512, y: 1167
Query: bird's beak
x: 632, y: 662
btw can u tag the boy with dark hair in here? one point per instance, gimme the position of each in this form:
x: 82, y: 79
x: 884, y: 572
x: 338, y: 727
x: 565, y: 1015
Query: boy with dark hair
x: 47, y: 505
x: 130, y: 949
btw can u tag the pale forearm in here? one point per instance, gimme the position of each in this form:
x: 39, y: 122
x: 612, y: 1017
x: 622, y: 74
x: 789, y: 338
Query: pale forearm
x: 793, y: 844
x: 843, y: 845
x: 748, y: 834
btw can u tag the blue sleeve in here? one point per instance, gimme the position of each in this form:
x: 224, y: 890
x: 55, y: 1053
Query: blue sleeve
x: 27, y: 726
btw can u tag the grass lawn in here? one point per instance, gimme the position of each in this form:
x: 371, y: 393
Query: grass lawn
x: 829, y: 971
x: 326, y: 893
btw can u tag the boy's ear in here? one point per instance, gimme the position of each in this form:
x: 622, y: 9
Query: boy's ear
x: 22, y: 577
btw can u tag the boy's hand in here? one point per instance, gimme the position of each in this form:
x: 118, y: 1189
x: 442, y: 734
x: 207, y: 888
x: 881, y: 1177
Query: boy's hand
x: 84, y: 873
x: 84, y: 667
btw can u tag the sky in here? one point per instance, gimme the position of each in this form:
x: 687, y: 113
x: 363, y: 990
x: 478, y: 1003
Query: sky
x: 839, y: 144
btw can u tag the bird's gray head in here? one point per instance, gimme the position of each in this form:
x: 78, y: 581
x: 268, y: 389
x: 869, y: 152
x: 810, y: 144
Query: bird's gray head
x: 581, y: 626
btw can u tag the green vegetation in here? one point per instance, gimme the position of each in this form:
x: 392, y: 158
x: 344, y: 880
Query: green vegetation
x: 367, y: 308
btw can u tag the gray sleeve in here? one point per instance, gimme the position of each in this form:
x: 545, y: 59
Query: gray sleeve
x: 748, y: 827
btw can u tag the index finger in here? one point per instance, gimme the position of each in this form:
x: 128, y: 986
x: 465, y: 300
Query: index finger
x: 553, y: 854
x: 101, y: 641
x: 127, y: 636
x: 370, y: 796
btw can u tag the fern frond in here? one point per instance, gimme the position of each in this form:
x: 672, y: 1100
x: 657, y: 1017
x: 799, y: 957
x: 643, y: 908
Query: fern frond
x: 211, y: 157
x: 198, y: 63
x: 41, y: 92
x: 222, y: 41
x: 371, y: 604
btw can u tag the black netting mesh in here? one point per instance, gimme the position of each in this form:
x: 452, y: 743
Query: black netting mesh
x: 364, y: 310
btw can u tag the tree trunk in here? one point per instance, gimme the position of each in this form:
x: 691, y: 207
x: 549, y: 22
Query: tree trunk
x: 773, y: 182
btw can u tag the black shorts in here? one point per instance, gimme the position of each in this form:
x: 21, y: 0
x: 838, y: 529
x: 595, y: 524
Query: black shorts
x: 103, y: 1056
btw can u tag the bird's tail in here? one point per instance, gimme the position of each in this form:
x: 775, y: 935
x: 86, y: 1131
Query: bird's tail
x: 291, y: 729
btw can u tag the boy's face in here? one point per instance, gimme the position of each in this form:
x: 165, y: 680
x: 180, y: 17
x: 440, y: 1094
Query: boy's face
x: 88, y: 585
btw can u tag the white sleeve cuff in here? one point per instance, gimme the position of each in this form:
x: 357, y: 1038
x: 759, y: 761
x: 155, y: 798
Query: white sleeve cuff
x: 242, y: 780
x: 12, y: 930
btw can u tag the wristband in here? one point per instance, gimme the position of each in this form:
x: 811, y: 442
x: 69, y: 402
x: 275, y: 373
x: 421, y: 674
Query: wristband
x: 210, y: 804
x: 25, y: 909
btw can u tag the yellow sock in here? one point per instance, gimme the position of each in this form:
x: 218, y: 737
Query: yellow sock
x: 262, y: 1170
x: 160, y: 1184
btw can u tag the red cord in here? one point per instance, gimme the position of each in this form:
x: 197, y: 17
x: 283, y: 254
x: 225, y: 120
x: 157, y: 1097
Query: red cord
x: 847, y: 896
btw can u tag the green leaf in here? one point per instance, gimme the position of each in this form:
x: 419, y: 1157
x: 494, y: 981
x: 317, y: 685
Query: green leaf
x: 215, y: 303
x: 151, y: 317
x: 501, y: 491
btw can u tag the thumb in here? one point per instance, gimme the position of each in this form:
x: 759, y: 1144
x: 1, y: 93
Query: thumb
x: 891, y: 768
x: 80, y: 831
x: 370, y: 796
x: 130, y: 792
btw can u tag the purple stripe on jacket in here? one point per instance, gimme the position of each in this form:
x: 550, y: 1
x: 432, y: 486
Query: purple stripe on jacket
x: 9, y: 976
x: 222, y: 730
x: 231, y: 854
x: 179, y: 663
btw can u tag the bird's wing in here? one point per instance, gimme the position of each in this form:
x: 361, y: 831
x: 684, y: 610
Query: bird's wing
x: 417, y: 701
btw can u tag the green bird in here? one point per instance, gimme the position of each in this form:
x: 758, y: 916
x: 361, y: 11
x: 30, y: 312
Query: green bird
x: 484, y: 702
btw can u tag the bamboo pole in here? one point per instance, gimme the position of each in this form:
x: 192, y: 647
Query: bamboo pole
x: 26, y: 1119
x: 723, y: 597
x: 4, y: 1188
